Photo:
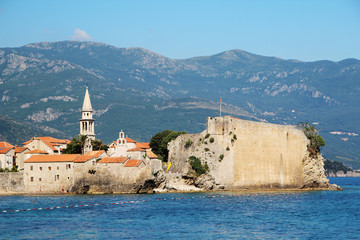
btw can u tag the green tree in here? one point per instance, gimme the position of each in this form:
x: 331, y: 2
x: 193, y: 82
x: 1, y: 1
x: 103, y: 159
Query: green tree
x: 197, y: 166
x: 99, y: 145
x: 312, y: 133
x: 159, y: 142
x: 77, y: 144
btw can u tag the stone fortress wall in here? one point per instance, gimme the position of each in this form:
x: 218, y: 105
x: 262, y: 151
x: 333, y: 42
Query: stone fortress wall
x: 247, y: 154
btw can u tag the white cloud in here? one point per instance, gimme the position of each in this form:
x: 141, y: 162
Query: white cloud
x: 80, y: 35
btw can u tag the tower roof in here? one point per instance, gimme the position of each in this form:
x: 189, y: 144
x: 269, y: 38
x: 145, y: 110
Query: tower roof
x: 87, y: 103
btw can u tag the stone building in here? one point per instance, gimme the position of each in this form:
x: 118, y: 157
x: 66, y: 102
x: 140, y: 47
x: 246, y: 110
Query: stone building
x: 49, y: 173
x: 7, y: 153
x: 20, y: 157
x: 48, y: 144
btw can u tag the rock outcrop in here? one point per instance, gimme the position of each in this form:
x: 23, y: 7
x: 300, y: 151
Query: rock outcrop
x: 314, y: 173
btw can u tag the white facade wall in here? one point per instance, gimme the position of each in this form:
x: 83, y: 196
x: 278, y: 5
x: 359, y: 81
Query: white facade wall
x: 6, y: 159
x: 39, y: 144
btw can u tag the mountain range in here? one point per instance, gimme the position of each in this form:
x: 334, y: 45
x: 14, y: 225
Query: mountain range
x: 42, y: 86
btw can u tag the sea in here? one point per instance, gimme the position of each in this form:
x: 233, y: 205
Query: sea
x: 207, y: 215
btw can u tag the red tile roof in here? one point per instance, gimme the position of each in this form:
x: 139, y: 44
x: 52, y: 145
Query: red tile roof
x: 129, y: 140
x: 113, y: 160
x: 37, y: 151
x: 50, y: 141
x: 88, y: 156
x: 52, y: 158
x: 150, y: 154
x: 143, y: 145
x: 132, y: 163
x: 5, y: 144
x: 20, y: 149
x: 4, y: 150
x: 136, y: 150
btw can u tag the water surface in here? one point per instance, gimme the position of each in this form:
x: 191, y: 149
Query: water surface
x: 283, y: 215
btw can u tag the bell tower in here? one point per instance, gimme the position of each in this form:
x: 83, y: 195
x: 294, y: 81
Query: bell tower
x: 86, y: 121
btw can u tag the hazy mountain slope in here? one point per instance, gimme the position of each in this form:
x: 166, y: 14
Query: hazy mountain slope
x: 142, y: 92
x: 18, y: 132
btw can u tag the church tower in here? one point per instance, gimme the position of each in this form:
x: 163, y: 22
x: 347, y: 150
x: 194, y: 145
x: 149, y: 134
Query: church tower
x: 86, y: 121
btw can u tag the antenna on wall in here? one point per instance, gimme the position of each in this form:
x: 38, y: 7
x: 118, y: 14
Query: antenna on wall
x: 220, y: 106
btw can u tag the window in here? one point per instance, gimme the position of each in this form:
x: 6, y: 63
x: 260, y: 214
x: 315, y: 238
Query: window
x: 39, y: 179
x: 68, y: 166
x: 31, y: 168
x: 93, y: 162
x: 31, y: 179
x: 40, y: 168
x: 57, y: 177
x: 58, y: 168
x: 49, y: 168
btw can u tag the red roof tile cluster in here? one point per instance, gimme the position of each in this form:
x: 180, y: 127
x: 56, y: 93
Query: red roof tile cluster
x: 20, y: 149
x: 88, y: 156
x: 37, y: 151
x: 113, y: 160
x: 136, y: 150
x: 4, y: 150
x: 52, y: 158
x: 132, y: 163
x: 129, y: 140
x: 50, y: 141
x: 150, y: 154
x: 5, y: 144
x: 143, y: 145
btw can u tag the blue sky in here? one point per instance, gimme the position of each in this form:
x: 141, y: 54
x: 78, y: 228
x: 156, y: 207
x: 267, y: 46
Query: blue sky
x: 304, y: 30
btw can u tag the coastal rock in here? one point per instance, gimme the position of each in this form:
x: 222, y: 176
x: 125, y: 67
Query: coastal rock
x: 153, y: 183
x: 314, y: 173
x: 176, y: 183
x: 205, y: 182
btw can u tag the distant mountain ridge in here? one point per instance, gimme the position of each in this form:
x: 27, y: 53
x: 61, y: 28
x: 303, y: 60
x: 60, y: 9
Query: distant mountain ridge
x: 143, y: 92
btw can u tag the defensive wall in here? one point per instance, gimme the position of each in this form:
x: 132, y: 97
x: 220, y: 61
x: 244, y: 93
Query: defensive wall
x: 11, y: 182
x: 247, y: 154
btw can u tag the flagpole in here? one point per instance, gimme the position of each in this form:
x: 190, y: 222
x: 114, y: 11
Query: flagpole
x: 220, y: 106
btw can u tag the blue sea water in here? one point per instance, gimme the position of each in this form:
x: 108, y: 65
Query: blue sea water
x: 225, y: 215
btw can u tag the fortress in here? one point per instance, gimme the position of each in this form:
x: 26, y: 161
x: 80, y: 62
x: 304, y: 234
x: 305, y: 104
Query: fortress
x: 245, y: 154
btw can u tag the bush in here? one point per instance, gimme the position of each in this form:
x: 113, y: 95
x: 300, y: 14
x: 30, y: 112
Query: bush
x: 227, y: 149
x: 316, y: 141
x: 234, y: 137
x: 207, y: 135
x: 197, y: 166
x: 159, y: 141
x: 14, y: 169
x: 188, y: 143
x: 212, y: 140
x: 221, y: 157
x: 206, y: 149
